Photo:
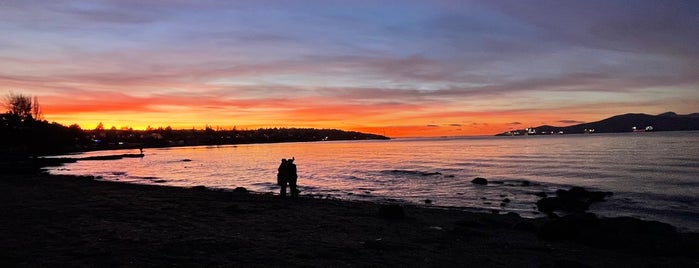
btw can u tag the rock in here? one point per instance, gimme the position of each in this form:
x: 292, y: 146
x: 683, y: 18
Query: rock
x: 566, y: 228
x: 526, y: 183
x: 199, y: 188
x: 506, y: 200
x: 623, y: 233
x: 549, y: 204
x: 512, y: 214
x: 240, y: 190
x: 391, y: 211
x: 580, y: 193
x: 626, y: 232
x: 577, y: 199
x: 186, y: 160
x: 427, y: 201
x: 479, y: 181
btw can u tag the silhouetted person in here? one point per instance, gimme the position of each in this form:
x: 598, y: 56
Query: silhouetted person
x: 287, y: 174
x: 282, y: 175
x: 292, y: 177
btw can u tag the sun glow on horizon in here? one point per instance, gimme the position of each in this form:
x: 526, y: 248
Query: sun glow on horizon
x: 436, y: 68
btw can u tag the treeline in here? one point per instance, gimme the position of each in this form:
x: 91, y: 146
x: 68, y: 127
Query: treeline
x: 23, y: 132
x: 38, y: 137
x: 167, y: 137
x: 26, y: 136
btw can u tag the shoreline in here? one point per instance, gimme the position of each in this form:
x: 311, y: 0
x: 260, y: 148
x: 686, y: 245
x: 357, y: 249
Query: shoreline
x: 58, y: 220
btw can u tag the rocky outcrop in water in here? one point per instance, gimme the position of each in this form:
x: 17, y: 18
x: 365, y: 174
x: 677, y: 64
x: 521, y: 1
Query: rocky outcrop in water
x: 479, y: 181
x: 577, y: 199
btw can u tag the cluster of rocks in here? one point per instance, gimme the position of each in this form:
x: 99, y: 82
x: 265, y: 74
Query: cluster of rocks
x: 575, y: 200
x: 618, y: 233
x: 626, y: 233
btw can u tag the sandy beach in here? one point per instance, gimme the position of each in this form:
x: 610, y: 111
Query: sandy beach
x: 66, y: 221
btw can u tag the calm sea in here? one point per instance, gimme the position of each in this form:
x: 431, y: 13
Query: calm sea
x: 653, y: 175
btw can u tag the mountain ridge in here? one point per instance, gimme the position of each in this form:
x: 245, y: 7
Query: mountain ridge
x: 668, y: 121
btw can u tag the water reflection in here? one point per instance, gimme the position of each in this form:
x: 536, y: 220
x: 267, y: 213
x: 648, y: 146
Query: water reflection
x: 641, y: 168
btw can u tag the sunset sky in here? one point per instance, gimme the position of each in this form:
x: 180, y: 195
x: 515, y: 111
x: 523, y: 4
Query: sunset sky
x: 400, y: 68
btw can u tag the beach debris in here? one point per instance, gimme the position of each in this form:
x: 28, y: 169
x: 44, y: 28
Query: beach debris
x: 240, y: 190
x: 391, y: 211
x: 479, y: 181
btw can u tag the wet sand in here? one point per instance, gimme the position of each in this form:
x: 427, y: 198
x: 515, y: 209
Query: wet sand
x: 60, y: 221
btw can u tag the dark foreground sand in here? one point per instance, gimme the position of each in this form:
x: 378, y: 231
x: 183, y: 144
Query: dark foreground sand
x: 64, y: 221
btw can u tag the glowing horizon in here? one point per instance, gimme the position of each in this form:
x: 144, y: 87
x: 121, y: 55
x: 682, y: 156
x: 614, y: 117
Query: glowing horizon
x: 403, y: 68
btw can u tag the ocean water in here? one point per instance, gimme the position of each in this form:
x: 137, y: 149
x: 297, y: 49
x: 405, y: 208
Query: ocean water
x: 653, y: 175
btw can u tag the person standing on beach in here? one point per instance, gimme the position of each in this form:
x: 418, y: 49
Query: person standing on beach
x: 287, y: 174
x: 282, y: 175
x: 292, y: 177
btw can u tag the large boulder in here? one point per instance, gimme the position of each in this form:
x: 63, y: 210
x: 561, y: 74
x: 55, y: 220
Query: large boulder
x: 479, y: 181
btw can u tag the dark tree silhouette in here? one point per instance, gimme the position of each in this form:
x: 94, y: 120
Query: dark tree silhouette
x: 24, y: 133
x: 22, y: 106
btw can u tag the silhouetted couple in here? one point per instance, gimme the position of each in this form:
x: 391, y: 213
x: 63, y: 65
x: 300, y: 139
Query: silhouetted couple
x: 287, y: 174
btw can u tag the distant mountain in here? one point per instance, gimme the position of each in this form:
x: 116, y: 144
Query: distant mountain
x: 669, y: 121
